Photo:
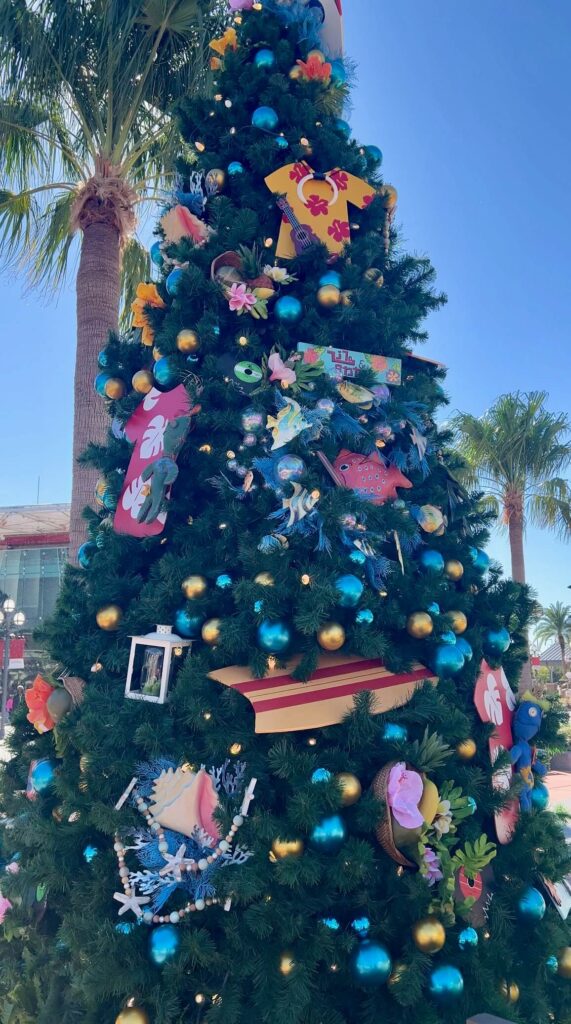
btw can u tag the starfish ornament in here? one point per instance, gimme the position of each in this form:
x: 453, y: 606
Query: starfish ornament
x: 132, y: 902
x: 173, y: 863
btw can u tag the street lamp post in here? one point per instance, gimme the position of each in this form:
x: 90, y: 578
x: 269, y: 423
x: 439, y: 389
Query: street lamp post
x: 8, y: 617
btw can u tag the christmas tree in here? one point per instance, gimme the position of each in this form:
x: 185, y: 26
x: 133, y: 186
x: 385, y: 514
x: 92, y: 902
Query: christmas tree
x: 303, y: 792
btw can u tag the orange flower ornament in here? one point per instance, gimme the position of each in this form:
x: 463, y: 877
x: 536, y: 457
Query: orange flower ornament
x: 147, y: 295
x: 314, y: 69
x: 36, y: 697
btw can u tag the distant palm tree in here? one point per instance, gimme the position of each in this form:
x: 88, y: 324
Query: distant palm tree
x: 555, y: 624
x: 84, y: 139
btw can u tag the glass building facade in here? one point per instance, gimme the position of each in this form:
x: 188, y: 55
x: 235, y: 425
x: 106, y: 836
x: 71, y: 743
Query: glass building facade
x: 32, y: 576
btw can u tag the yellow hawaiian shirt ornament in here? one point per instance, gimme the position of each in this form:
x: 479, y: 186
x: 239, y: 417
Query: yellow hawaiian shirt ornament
x: 147, y: 295
x: 228, y: 41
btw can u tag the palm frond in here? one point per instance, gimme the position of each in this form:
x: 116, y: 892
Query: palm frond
x: 550, y: 507
x: 134, y: 269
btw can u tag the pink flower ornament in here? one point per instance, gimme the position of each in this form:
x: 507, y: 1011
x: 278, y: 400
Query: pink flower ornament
x: 5, y: 906
x: 240, y: 298
x: 279, y: 370
x: 240, y: 5
x: 432, y: 871
x: 404, y: 795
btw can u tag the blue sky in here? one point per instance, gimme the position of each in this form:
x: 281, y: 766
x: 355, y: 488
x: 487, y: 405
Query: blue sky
x: 470, y: 104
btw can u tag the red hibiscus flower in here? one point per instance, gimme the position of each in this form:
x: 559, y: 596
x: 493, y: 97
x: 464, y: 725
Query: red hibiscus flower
x: 339, y: 230
x: 298, y: 172
x: 368, y: 199
x: 317, y: 205
x: 36, y: 698
x: 341, y: 179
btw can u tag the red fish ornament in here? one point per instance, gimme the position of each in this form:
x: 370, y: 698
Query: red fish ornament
x: 367, y: 475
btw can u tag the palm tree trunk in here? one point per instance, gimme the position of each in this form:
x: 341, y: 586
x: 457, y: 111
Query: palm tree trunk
x: 561, y: 640
x: 515, y: 533
x: 98, y: 293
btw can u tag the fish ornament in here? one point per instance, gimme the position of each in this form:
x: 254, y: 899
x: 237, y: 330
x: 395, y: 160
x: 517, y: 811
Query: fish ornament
x: 367, y: 475
x: 300, y: 504
x: 355, y: 394
x: 288, y: 423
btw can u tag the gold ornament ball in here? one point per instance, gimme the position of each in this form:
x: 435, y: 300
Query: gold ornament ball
x: 509, y: 990
x: 347, y: 298
x: 454, y: 569
x: 187, y: 341
x: 211, y: 631
x: 264, y: 579
x: 132, y: 1015
x: 429, y: 935
x: 142, y: 381
x: 287, y: 963
x: 419, y: 625
x: 466, y: 749
x: 157, y: 354
x: 295, y: 73
x: 458, y: 622
x: 115, y: 388
x: 329, y: 296
x: 331, y: 636
x: 109, y: 617
x: 216, y: 178
x: 351, y: 788
x: 374, y: 275
x: 282, y: 848
x: 194, y: 586
x: 564, y: 962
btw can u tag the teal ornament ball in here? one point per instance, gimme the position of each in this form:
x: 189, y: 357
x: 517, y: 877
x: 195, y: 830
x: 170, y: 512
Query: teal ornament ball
x: 552, y: 964
x: 265, y: 118
x: 224, y: 581
x: 125, y: 927
x: 531, y: 905
x: 281, y: 142
x: 371, y: 964
x: 447, y: 661
x: 42, y: 774
x: 85, y: 553
x: 288, y: 309
x: 290, y: 467
x: 361, y: 926
x: 187, y: 625
x: 165, y: 372
x: 394, y: 733
x: 156, y: 254
x: 468, y: 938
x: 163, y: 944
x: 364, y: 617
x: 103, y: 359
x: 431, y: 561
x: 472, y: 805
x: 333, y: 924
x: 90, y: 853
x: 100, y: 382
x: 338, y: 73
x: 446, y: 984
x: 258, y: 607
x: 464, y: 646
x: 539, y: 796
x: 331, y: 277
x: 496, y: 642
x: 374, y: 154
x: 273, y: 637
x: 342, y: 126
x: 174, y: 281
x: 433, y: 608
x: 357, y: 557
x: 235, y: 168
x: 349, y: 589
x: 320, y: 775
x: 448, y: 637
x: 329, y: 835
x: 265, y: 59
x: 479, y: 559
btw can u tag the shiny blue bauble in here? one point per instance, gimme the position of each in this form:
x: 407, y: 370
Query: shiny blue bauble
x: 90, y: 853
x: 166, y: 372
x: 357, y: 557
x: 447, y: 661
x: 342, y: 126
x: 258, y: 607
x: 431, y: 561
x: 224, y: 581
x: 156, y: 254
x: 85, y: 553
x: 464, y: 646
x: 329, y: 835
x: 103, y: 359
x: 552, y: 964
x: 472, y: 805
x: 42, y: 774
x: 100, y: 382
x: 274, y: 637
x: 320, y: 775
x: 531, y: 905
x: 539, y: 796
x: 433, y: 608
x: 235, y: 168
x: 290, y: 467
x: 163, y: 943
x: 374, y: 153
x: 448, y: 637
x: 331, y: 922
x: 281, y: 142
x: 371, y: 964
x: 361, y: 926
x: 496, y: 642
x: 468, y: 938
x: 364, y: 617
x: 338, y: 73
x: 125, y: 927
x: 174, y: 281
x: 446, y: 984
x: 188, y: 625
x: 265, y: 59
x: 288, y: 309
x: 479, y: 559
x: 349, y: 589
x: 265, y: 118
x: 331, y: 277
x: 394, y: 733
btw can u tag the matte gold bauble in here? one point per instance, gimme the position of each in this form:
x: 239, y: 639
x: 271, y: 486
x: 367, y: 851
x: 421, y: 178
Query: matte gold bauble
x: 114, y: 388
x: 331, y: 636
x: 132, y: 1015
x: 282, y: 848
x: 211, y: 631
x: 194, y: 586
x: 466, y: 749
x: 351, y: 788
x: 419, y: 625
x: 429, y: 935
x: 142, y: 381
x: 215, y: 179
x: 187, y: 341
x: 287, y: 963
x: 265, y: 579
x: 454, y: 569
x: 564, y: 962
x: 329, y: 296
x: 109, y: 617
x: 509, y: 990
x: 458, y: 622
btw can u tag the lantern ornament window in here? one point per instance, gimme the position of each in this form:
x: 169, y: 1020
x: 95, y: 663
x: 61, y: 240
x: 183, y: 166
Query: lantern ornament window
x: 152, y: 662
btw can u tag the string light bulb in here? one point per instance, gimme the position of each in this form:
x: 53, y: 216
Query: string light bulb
x: 228, y: 103
x: 199, y: 146
x: 272, y: 662
x: 303, y: 141
x: 243, y: 341
x: 312, y: 742
x: 235, y: 749
x: 177, y: 651
x: 268, y: 242
x: 200, y: 998
x: 218, y: 97
x: 207, y: 716
x: 305, y: 579
x: 230, y: 454
x: 205, y: 448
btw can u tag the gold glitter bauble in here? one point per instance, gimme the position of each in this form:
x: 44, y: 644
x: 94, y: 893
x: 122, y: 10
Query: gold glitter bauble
x: 429, y: 935
x: 114, y: 388
x: 109, y: 617
x: 187, y: 341
x: 287, y: 848
x: 351, y: 788
x: 419, y: 625
x: 466, y: 749
x: 453, y: 569
x: 329, y: 296
x: 509, y: 990
x: 211, y: 631
x: 564, y: 962
x: 331, y: 636
x: 132, y: 1015
x: 458, y: 622
x: 142, y: 382
x: 265, y: 579
x: 194, y: 586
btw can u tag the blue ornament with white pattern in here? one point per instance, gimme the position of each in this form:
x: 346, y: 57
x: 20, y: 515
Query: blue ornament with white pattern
x: 164, y: 942
x: 364, y: 617
x: 273, y: 637
x: 224, y: 581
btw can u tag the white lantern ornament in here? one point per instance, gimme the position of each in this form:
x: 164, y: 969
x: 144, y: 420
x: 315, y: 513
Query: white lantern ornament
x: 151, y: 664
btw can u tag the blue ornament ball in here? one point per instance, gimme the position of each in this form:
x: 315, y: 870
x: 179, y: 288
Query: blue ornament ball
x: 374, y: 153
x: 331, y: 277
x: 357, y: 557
x: 448, y: 637
x: 224, y: 581
x: 371, y: 964
x: 496, y: 642
x: 329, y: 835
x: 290, y: 467
x: 103, y: 359
x: 274, y: 637
x: 552, y: 964
x: 235, y: 168
x: 447, y: 661
x: 480, y: 560
x: 349, y: 588
x: 394, y: 733
x: 156, y: 254
x: 320, y: 775
x: 100, y: 382
x: 265, y: 118
x: 433, y: 608
x: 125, y: 927
x: 431, y: 561
x: 531, y: 905
x: 342, y: 126
x: 174, y: 280
x: 364, y: 617
x: 258, y: 607
x: 468, y: 938
x: 188, y: 625
x: 539, y: 796
x: 288, y: 309
x: 464, y: 646
x: 265, y: 59
x: 165, y: 372
x: 281, y: 142
x: 42, y: 774
x: 163, y: 943
x: 85, y: 553
x: 446, y: 984
x: 338, y: 73
x: 332, y: 923
x: 90, y: 853
x: 361, y: 926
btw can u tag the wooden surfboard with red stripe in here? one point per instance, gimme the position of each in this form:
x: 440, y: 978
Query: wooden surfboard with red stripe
x: 283, y: 704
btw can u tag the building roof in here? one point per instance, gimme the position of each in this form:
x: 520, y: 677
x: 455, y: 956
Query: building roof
x: 33, y: 520
x: 552, y: 655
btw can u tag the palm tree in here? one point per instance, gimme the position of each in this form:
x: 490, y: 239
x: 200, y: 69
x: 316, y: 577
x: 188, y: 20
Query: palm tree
x: 84, y: 140
x: 555, y: 624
